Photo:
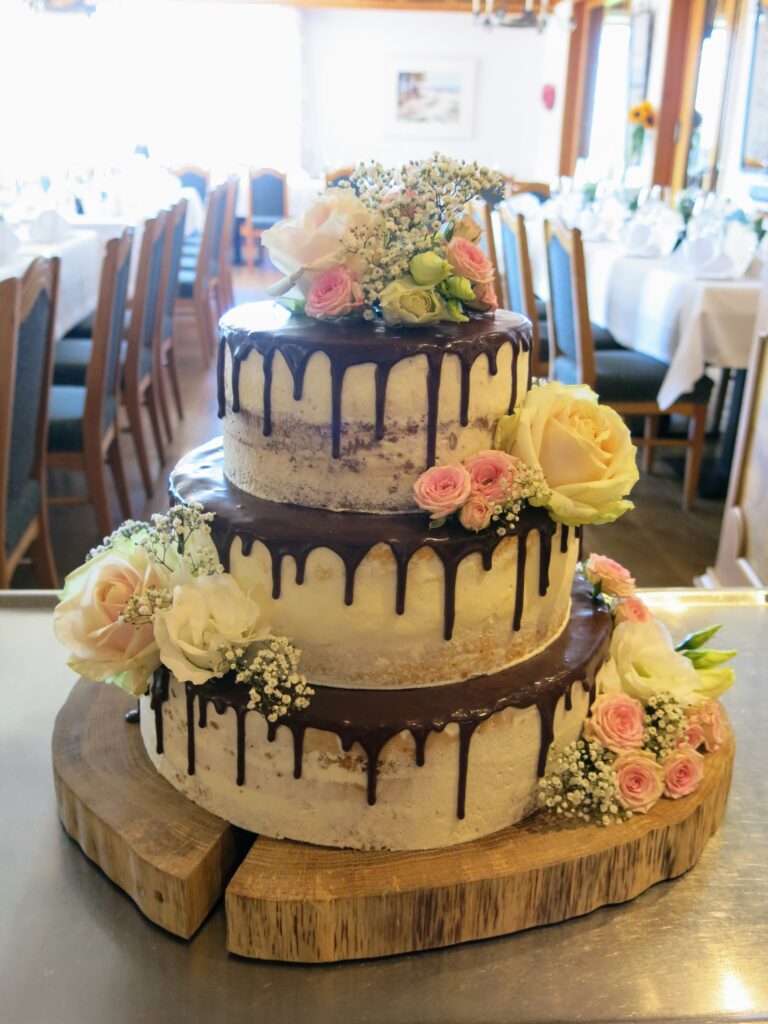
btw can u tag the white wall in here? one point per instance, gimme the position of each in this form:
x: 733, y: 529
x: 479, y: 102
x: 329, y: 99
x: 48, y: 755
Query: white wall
x: 348, y: 93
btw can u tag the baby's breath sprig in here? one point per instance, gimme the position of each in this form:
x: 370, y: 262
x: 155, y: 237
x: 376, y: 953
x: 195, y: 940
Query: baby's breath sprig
x: 131, y: 528
x: 172, y: 531
x: 272, y: 672
x: 665, y: 725
x: 528, y: 483
x: 583, y: 785
x: 141, y: 610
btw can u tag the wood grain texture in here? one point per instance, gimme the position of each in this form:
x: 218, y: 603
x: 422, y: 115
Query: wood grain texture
x: 170, y: 856
x: 290, y: 901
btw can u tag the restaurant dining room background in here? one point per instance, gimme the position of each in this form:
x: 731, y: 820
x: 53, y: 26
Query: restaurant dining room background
x: 146, y: 146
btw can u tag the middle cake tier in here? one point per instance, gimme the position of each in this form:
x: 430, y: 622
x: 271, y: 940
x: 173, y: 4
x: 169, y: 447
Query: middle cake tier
x: 383, y: 601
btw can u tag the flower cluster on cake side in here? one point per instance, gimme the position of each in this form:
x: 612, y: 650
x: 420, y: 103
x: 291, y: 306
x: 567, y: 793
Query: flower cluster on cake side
x: 654, y: 719
x: 395, y: 243
x: 155, y: 595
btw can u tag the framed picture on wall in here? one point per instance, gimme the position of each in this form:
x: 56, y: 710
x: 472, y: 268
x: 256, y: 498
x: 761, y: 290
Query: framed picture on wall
x: 754, y: 154
x: 432, y: 97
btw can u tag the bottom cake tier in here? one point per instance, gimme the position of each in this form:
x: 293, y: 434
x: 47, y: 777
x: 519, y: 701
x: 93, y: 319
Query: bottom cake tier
x: 381, y: 769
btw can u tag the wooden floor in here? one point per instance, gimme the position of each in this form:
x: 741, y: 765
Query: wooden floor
x: 663, y: 545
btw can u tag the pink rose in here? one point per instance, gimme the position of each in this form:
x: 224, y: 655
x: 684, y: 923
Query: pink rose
x: 632, y: 609
x: 469, y: 261
x: 442, y: 490
x: 475, y: 513
x: 485, y: 300
x: 613, y: 578
x: 708, y: 717
x: 683, y: 772
x: 640, y: 780
x: 492, y: 473
x: 694, y: 736
x: 333, y: 293
x: 616, y: 721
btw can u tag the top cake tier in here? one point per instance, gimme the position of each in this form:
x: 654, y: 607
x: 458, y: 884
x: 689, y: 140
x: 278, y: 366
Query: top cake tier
x: 345, y: 416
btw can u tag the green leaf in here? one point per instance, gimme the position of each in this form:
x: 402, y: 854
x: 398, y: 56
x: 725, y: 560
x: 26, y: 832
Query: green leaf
x: 450, y: 227
x: 292, y: 305
x: 707, y: 657
x: 697, y: 639
x: 435, y: 524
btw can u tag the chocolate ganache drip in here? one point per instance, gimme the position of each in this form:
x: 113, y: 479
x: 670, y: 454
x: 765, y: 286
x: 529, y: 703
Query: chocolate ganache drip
x: 295, y: 531
x: 265, y: 328
x: 371, y: 718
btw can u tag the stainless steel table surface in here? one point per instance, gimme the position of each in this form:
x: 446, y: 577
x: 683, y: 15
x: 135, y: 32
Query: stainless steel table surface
x: 75, y: 950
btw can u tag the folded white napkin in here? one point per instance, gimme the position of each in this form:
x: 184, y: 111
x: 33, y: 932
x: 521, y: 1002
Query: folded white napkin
x: 721, y: 257
x: 49, y: 226
x: 9, y: 242
x: 651, y: 233
x: 638, y: 239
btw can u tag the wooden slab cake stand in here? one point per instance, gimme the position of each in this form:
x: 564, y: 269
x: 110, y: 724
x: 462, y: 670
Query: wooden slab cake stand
x: 308, y: 904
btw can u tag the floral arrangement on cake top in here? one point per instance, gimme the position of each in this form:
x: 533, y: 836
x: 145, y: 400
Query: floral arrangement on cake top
x: 395, y: 243
x: 655, y: 716
x: 561, y: 450
x: 153, y: 596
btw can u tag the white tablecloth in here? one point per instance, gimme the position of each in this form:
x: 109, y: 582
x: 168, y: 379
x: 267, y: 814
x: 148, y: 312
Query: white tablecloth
x: 80, y: 256
x: 658, y: 307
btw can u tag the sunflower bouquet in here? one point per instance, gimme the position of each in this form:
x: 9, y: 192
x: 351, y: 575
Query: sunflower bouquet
x: 643, y: 118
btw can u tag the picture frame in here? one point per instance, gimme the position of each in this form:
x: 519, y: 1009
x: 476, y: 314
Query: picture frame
x: 431, y: 97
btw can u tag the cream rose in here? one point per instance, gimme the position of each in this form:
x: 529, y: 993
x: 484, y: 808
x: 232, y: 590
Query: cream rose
x: 88, y: 621
x: 207, y: 613
x: 583, y: 449
x: 305, y: 246
x: 643, y: 662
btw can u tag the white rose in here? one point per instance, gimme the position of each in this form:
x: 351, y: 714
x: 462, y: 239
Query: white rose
x: 584, y: 450
x: 87, y: 619
x: 644, y: 662
x: 304, y: 246
x: 207, y: 612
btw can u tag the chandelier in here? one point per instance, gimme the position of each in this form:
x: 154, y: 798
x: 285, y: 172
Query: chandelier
x: 487, y: 13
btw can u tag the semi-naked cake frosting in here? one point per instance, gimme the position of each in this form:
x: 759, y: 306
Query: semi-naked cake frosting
x: 448, y: 666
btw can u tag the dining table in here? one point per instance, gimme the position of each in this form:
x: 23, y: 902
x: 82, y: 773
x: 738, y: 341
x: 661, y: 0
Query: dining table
x: 659, y: 306
x: 74, y: 949
x: 81, y: 254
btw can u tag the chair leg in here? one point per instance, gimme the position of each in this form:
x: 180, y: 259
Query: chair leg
x: 97, y: 491
x: 153, y: 407
x: 162, y: 399
x: 696, y: 431
x: 115, y: 459
x: 133, y: 408
x: 42, y: 552
x: 174, y: 377
x: 650, y: 432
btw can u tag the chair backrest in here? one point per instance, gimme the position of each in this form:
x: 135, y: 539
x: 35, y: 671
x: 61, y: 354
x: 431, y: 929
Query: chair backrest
x: 335, y: 178
x: 194, y: 177
x: 570, y: 333
x: 103, y: 378
x: 267, y: 193
x: 539, y: 189
x: 148, y: 300
x: 210, y: 244
x: 27, y: 318
x: 232, y: 185
x: 519, y: 279
x: 174, y: 245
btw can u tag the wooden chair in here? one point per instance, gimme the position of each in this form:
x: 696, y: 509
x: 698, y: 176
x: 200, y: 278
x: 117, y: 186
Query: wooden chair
x: 267, y: 204
x: 335, y: 178
x: 224, y: 289
x: 143, y: 359
x: 540, y: 189
x: 624, y: 379
x: 483, y: 213
x: 83, y: 431
x: 27, y: 315
x: 198, y: 289
x: 194, y: 177
x: 174, y: 241
x: 520, y: 296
